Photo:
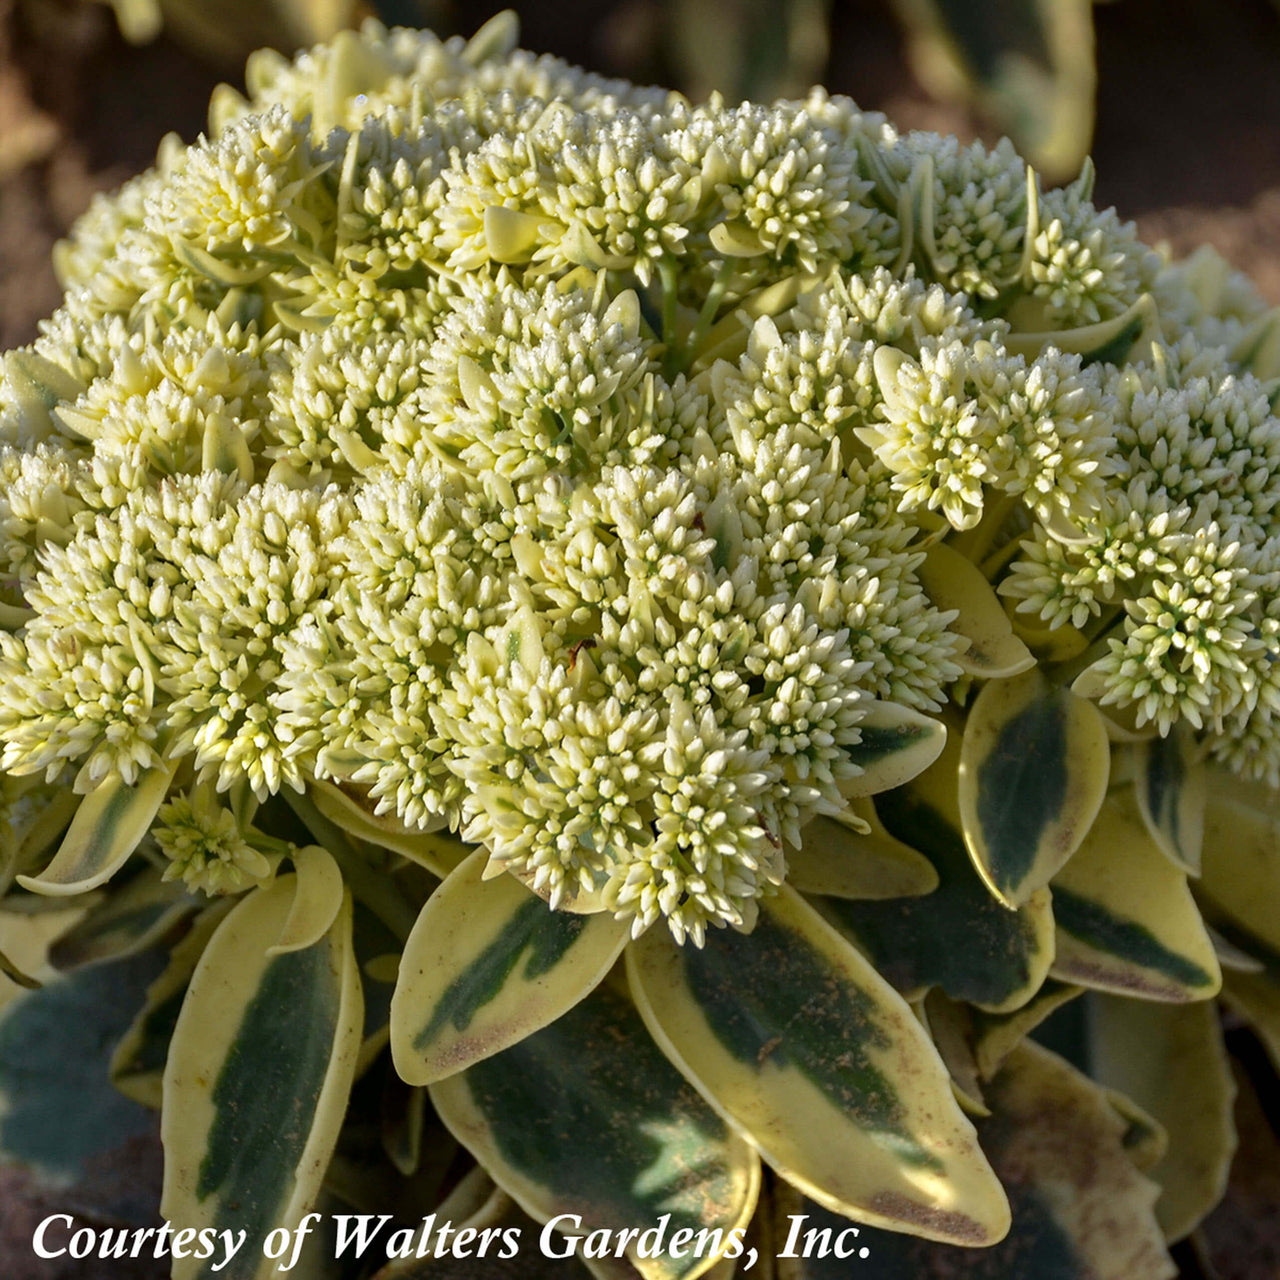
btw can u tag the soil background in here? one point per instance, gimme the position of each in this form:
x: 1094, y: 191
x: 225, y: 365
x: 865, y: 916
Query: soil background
x: 1187, y: 143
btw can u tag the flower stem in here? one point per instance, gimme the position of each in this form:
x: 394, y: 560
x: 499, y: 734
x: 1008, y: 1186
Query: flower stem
x: 706, y: 317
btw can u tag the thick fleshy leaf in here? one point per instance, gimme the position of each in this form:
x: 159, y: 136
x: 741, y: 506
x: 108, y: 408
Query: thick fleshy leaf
x: 1170, y: 785
x: 897, y: 744
x: 1126, y: 921
x: 132, y: 918
x: 1241, y: 871
x: 17, y: 975
x: 1146, y: 1140
x: 108, y: 825
x: 25, y: 941
x: 487, y: 964
x: 1081, y: 1211
x: 404, y: 1107
x: 1108, y: 340
x: 137, y: 1064
x: 959, y: 937
x: 1256, y: 998
x: 59, y: 1115
x: 841, y: 861
x: 257, y: 1078
x: 586, y: 1117
x: 438, y: 851
x: 36, y: 814
x: 317, y: 898
x: 1033, y: 772
x: 1171, y: 1060
x: 953, y: 581
x: 793, y: 1036
x: 997, y: 1035
x: 950, y: 1026
x: 748, y: 50
x: 1050, y: 645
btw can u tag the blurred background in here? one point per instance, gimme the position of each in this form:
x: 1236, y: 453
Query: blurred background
x: 1178, y: 101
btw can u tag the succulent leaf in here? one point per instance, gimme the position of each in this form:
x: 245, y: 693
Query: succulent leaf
x: 1080, y: 1208
x: 487, y: 964
x: 953, y: 581
x: 801, y: 1045
x: 1126, y: 920
x: 54, y: 1046
x: 251, y: 1114
x: 108, y: 825
x: 439, y: 852
x: 1171, y: 1060
x: 1034, y: 768
x: 895, y: 744
x: 959, y: 937
x: 1171, y: 784
x: 133, y: 918
x: 838, y: 859
x: 587, y: 1118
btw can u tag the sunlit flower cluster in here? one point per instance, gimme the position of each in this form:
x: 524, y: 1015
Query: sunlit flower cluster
x: 555, y: 460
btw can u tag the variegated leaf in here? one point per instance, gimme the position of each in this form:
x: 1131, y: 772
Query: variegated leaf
x: 257, y: 1078
x: 1033, y: 772
x: 487, y: 964
x: 1050, y: 645
x: 1171, y: 1060
x: 317, y: 898
x: 137, y: 1064
x: 59, y: 1115
x: 997, y: 1035
x: 106, y: 829
x: 132, y: 918
x: 953, y: 581
x: 951, y: 1027
x: 959, y: 937
x: 1028, y: 65
x: 17, y: 975
x: 586, y: 1117
x: 1170, y: 785
x: 1255, y: 996
x: 896, y: 745
x: 404, y: 1108
x: 1109, y: 340
x: 37, y: 813
x: 26, y: 939
x: 377, y: 952
x: 438, y: 851
x: 1081, y: 1211
x: 837, y: 859
x: 1241, y: 871
x: 1146, y: 1140
x: 1126, y: 921
x: 811, y: 1055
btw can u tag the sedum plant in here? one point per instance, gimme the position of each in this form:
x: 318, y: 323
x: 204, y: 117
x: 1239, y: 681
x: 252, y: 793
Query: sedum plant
x: 635, y: 643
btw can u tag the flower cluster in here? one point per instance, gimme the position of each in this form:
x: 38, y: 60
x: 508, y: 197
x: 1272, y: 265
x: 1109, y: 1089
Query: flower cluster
x: 555, y: 460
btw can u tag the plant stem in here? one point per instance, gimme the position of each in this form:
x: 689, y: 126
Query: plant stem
x: 706, y: 317
x: 667, y: 275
